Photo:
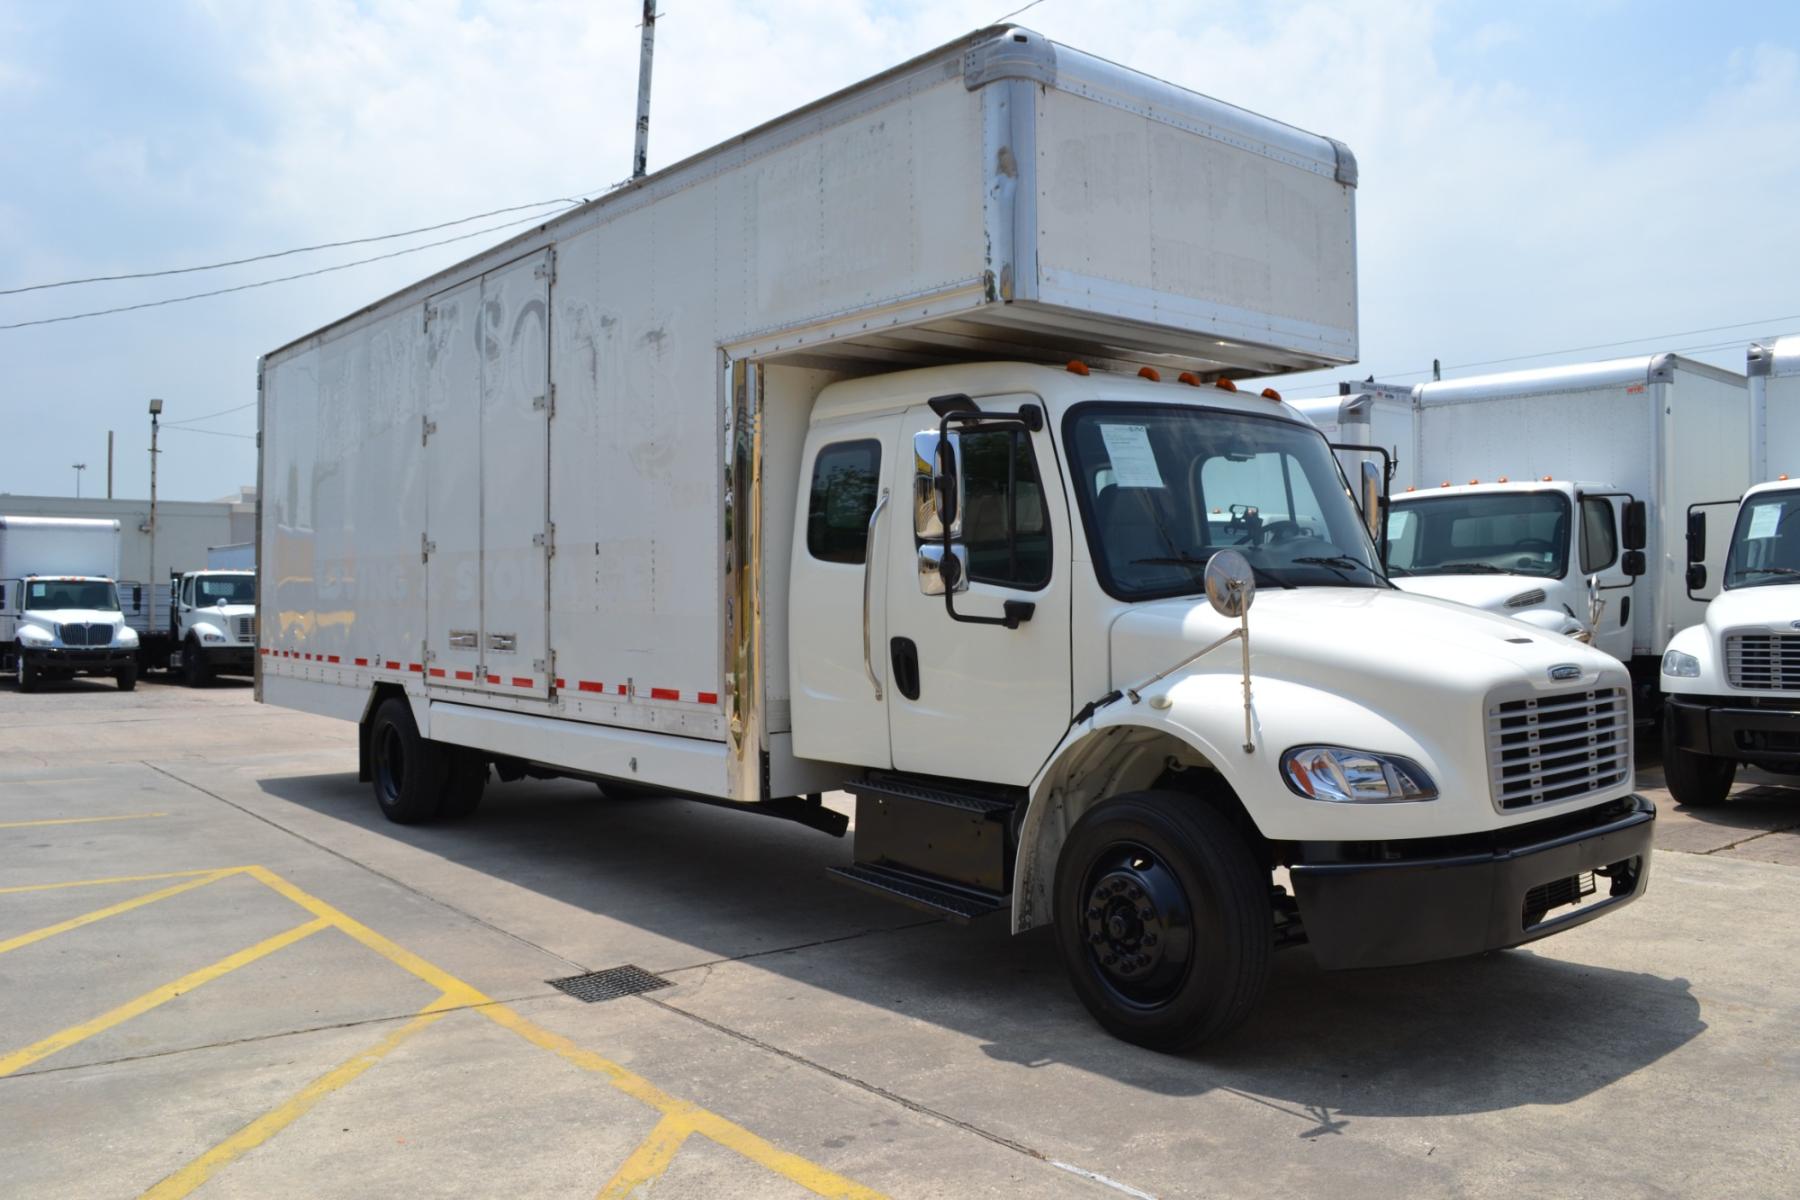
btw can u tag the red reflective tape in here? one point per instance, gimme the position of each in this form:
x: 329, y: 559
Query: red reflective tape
x: 334, y: 658
x: 620, y: 689
x: 263, y: 650
x: 519, y: 682
x: 362, y: 662
x: 588, y: 685
x: 437, y: 672
x: 657, y: 693
x: 561, y: 684
x: 415, y: 667
x: 493, y: 679
x: 709, y: 697
x: 465, y: 675
x: 393, y: 666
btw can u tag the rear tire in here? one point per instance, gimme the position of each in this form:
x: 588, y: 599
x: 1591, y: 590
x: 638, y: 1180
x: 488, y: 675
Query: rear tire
x: 127, y: 677
x: 1695, y: 780
x: 410, y: 773
x: 1195, y: 966
x: 467, y: 780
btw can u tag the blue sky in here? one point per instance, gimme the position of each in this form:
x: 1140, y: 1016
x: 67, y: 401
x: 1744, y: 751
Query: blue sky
x: 1534, y: 175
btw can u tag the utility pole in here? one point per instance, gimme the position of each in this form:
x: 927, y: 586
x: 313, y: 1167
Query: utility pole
x: 155, y: 412
x: 79, y: 468
x: 109, y: 462
x: 641, y: 160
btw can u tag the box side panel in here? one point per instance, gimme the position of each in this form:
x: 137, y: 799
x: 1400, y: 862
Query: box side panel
x: 1144, y: 219
x: 1706, y: 454
x: 1781, y: 427
x: 1599, y: 435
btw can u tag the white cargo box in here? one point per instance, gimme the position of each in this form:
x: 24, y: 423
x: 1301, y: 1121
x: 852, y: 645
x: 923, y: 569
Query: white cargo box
x: 1774, y: 370
x: 551, y: 490
x: 58, y: 546
x: 1368, y: 414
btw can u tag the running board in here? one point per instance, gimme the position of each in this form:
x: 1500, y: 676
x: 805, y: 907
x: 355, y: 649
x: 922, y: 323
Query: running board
x: 958, y: 904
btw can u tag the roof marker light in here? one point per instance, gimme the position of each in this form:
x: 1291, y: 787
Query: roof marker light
x: 1150, y: 373
x: 1409, y: 487
x: 1271, y: 394
x: 1076, y: 367
x: 1473, y: 482
x: 1226, y: 384
x: 1546, y: 479
x: 1781, y: 478
x: 1189, y: 378
x: 1502, y: 479
x: 1446, y: 483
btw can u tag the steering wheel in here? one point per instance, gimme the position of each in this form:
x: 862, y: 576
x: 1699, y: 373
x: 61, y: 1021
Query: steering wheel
x: 1281, y: 531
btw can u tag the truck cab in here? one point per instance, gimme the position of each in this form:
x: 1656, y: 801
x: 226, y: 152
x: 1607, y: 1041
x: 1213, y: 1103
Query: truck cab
x: 60, y: 626
x: 1559, y: 555
x: 1731, y: 684
x: 212, y: 624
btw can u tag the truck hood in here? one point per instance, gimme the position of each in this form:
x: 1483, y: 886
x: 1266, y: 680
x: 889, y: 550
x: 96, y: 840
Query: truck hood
x: 73, y: 616
x: 1370, y: 640
x: 1775, y: 607
x: 1490, y: 592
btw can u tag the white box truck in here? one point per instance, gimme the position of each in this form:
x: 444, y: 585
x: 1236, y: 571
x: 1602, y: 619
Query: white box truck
x: 212, y: 625
x: 1534, y: 485
x: 59, y: 602
x: 662, y: 493
x: 238, y: 556
x: 1731, y: 682
x: 1369, y: 414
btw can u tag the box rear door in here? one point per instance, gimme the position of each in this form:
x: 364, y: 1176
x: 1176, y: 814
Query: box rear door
x: 452, y: 436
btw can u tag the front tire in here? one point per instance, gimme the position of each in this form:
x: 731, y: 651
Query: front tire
x: 1695, y: 780
x: 26, y: 675
x: 127, y: 677
x: 194, y: 671
x: 410, y: 772
x: 1162, y: 919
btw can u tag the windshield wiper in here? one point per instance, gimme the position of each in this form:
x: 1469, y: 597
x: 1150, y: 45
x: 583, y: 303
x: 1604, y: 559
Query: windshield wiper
x: 1470, y: 568
x: 1188, y: 560
x: 1337, y: 561
x: 1770, y: 571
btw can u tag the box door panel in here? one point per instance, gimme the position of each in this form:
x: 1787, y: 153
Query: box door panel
x: 514, y: 344
x: 452, y: 436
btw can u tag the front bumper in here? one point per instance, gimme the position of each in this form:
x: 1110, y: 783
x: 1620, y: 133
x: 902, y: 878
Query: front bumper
x: 1469, y: 895
x: 229, y: 660
x: 80, y: 658
x: 1724, y: 730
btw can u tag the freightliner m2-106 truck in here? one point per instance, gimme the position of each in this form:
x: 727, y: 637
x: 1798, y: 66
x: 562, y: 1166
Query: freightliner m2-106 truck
x: 663, y: 492
x: 59, y: 602
x: 1731, y: 683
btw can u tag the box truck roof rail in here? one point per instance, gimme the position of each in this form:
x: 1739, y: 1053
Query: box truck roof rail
x: 1778, y: 357
x: 940, y: 212
x: 1642, y: 369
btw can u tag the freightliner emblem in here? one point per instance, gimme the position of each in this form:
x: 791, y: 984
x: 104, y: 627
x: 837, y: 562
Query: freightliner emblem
x: 1562, y: 671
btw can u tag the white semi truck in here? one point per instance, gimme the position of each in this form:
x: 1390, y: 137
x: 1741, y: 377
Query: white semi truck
x: 1559, y: 496
x: 59, y: 602
x: 658, y: 493
x: 1732, y: 681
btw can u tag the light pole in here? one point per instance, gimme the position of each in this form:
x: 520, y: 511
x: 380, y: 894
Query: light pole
x: 155, y: 412
x: 79, y: 468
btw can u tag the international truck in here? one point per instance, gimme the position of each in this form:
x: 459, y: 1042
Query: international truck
x: 59, y: 602
x: 1559, y: 496
x: 896, y: 447
x: 1731, y: 682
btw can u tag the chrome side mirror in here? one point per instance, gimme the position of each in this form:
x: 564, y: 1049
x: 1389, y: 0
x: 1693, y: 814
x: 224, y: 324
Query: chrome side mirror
x: 1230, y: 584
x: 937, y: 485
x: 1371, y: 499
x: 938, y: 574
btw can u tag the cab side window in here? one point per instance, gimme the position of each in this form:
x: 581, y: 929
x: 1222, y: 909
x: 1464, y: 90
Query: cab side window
x: 1599, y: 536
x: 846, y: 478
x: 1006, y: 528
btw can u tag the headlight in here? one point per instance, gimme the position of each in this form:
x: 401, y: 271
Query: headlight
x: 125, y: 635
x: 211, y: 638
x: 1345, y: 776
x: 35, y: 639
x: 1682, y: 666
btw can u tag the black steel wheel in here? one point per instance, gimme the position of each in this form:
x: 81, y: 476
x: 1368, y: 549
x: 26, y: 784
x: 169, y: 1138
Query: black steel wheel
x: 410, y: 772
x: 1163, y: 919
x: 1695, y: 780
x: 24, y: 674
x: 194, y: 671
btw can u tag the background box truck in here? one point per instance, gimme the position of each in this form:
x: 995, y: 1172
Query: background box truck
x: 1532, y: 483
x: 59, y: 602
x: 1369, y: 414
x: 879, y: 449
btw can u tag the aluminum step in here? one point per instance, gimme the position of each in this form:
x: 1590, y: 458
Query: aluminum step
x: 922, y: 892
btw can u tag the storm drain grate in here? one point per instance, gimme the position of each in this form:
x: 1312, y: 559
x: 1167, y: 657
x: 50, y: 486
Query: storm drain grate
x: 610, y: 984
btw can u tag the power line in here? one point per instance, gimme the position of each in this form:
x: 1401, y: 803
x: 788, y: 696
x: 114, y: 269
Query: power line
x: 238, y: 262
x: 248, y: 437
x: 244, y: 287
x: 209, y: 416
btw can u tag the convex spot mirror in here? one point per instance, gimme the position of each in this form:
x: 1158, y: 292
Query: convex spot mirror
x: 1230, y: 584
x: 938, y: 574
x: 937, y: 485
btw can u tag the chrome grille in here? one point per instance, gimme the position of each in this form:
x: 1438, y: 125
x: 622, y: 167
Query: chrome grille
x: 1559, y: 747
x: 1770, y: 661
x: 246, y: 629
x: 85, y: 635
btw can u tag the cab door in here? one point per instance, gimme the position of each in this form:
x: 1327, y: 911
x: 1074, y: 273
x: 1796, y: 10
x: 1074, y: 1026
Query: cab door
x: 971, y: 699
x: 1600, y: 554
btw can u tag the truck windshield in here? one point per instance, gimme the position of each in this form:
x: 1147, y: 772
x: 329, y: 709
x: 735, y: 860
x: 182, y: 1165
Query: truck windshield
x: 1487, y: 533
x: 1163, y: 486
x: 224, y: 589
x: 1763, y: 549
x: 95, y: 594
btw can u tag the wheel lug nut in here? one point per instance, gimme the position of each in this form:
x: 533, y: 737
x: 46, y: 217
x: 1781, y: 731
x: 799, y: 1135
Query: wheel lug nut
x: 1149, y: 939
x: 1110, y: 959
x: 1093, y: 913
x: 1145, y: 914
x: 1133, y: 892
x: 1096, y: 938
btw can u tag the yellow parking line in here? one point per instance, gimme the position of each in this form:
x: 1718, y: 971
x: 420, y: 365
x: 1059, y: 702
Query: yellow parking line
x: 218, y: 872
x: 198, y: 1171
x: 113, y: 910
x: 79, y: 820
x: 649, y: 1160
x: 156, y: 996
